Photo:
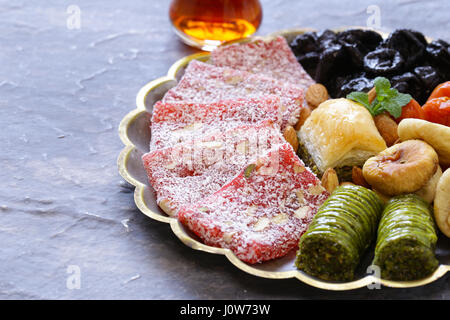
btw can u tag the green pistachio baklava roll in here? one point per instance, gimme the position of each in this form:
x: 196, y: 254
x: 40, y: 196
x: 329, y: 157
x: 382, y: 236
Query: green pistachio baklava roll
x: 406, y: 239
x: 340, y: 232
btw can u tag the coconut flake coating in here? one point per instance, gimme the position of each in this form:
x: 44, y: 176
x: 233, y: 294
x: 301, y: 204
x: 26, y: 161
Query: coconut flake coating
x: 273, y: 58
x: 204, y: 83
x: 262, y: 213
x: 190, y: 171
x: 175, y: 122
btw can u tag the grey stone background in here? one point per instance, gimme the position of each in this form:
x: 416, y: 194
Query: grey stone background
x: 63, y: 93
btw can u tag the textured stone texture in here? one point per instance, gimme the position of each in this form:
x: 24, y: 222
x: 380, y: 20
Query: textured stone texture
x: 63, y: 93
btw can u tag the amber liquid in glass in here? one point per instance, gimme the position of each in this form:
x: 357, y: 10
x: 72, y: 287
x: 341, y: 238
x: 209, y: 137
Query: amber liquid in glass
x: 206, y: 24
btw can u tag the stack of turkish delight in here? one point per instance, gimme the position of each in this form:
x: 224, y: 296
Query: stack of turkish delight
x: 218, y: 160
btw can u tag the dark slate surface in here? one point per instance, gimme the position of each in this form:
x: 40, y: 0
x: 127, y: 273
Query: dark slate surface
x: 63, y: 93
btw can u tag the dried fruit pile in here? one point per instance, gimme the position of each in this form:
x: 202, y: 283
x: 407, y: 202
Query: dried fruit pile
x: 350, y: 60
x: 223, y: 157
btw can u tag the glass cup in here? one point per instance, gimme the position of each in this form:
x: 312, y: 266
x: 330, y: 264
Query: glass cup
x: 206, y: 24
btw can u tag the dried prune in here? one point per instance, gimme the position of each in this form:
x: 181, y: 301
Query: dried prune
x: 351, y: 36
x: 409, y: 83
x: 438, y: 52
x: 356, y: 56
x: 420, y: 37
x: 334, y: 84
x: 409, y: 43
x: 430, y: 78
x: 371, y: 40
x: 358, y: 43
x: 332, y: 63
x: 354, y: 49
x: 309, y: 62
x: 383, y: 61
x: 354, y: 82
x: 327, y: 38
x: 305, y: 43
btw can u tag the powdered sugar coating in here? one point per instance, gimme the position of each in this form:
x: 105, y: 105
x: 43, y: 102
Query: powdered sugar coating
x: 273, y: 58
x: 190, y: 171
x: 204, y: 83
x: 175, y: 122
x: 260, y: 214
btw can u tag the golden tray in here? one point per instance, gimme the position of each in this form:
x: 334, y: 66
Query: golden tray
x: 135, y: 134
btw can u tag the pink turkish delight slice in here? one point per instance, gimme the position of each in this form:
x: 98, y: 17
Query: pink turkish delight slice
x: 261, y: 214
x: 187, y: 172
x: 176, y: 122
x: 273, y: 58
x: 204, y: 83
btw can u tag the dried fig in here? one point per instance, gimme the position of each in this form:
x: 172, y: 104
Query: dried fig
x: 403, y: 168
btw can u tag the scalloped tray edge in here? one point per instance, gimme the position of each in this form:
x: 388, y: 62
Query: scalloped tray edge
x: 140, y: 188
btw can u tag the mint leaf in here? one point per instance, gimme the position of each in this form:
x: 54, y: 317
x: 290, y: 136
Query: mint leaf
x: 360, y: 97
x: 403, y: 99
x: 376, y: 107
x: 387, y: 99
x: 382, y: 86
x: 393, y: 107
